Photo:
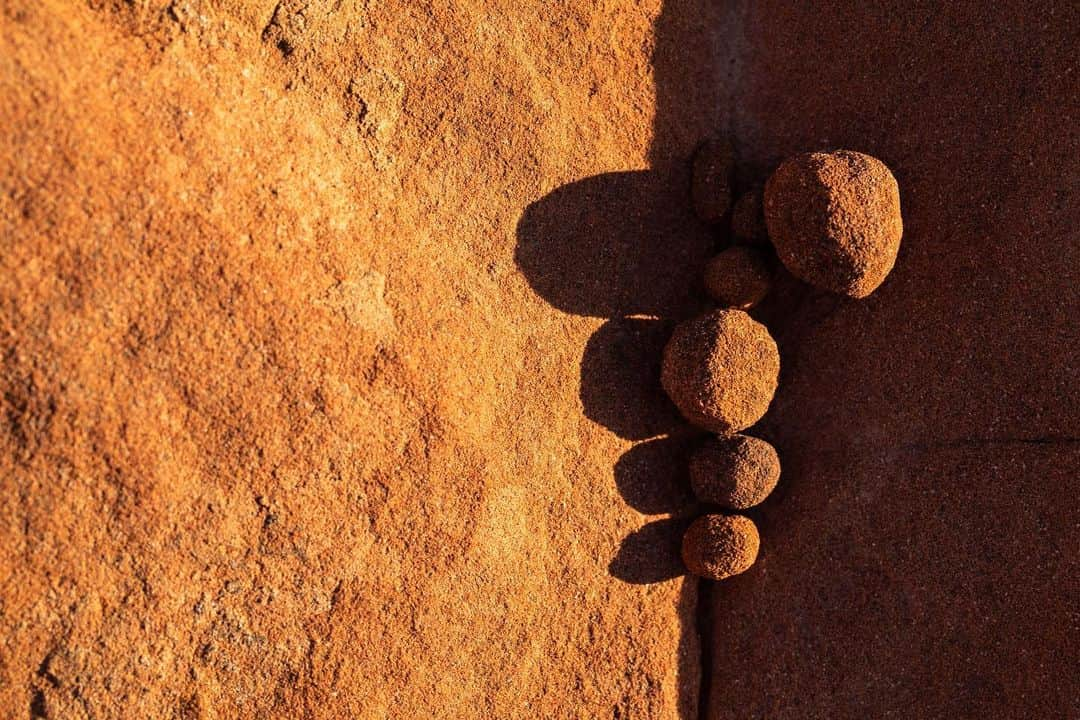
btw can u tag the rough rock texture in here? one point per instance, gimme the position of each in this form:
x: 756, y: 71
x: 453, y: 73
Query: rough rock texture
x: 738, y: 277
x: 711, y: 180
x: 737, y: 472
x: 834, y: 219
x: 720, y: 370
x: 285, y: 431
x: 920, y: 554
x: 716, y: 547
x: 748, y: 219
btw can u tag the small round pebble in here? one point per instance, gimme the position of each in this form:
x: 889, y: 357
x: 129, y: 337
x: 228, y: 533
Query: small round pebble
x: 737, y: 472
x: 710, y: 187
x: 748, y: 219
x: 738, y: 277
x: 719, y: 546
x: 720, y: 369
x: 834, y: 218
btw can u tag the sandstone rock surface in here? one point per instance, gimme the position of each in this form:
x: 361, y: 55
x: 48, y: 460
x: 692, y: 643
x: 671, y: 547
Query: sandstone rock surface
x: 930, y: 433
x: 710, y: 189
x: 284, y: 430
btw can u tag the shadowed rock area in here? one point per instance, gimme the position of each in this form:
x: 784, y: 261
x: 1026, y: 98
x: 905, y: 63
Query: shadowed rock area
x: 920, y: 559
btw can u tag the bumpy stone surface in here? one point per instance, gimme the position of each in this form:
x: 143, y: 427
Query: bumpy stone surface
x: 737, y: 472
x: 834, y: 218
x: 711, y: 182
x: 720, y: 370
x: 719, y: 546
x: 739, y: 277
x: 748, y: 219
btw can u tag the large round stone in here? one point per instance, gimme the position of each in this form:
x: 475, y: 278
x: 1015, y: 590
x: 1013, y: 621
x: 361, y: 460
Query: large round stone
x: 834, y: 218
x: 737, y: 472
x: 719, y: 546
x: 720, y: 370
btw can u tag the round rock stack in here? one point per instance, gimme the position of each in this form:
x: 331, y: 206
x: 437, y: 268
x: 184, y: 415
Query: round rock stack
x: 737, y: 472
x: 721, y: 370
x: 719, y: 546
x: 834, y: 218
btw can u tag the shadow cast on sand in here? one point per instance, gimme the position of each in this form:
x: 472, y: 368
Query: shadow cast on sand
x: 651, y: 554
x: 626, y: 246
x: 608, y: 246
x: 653, y: 476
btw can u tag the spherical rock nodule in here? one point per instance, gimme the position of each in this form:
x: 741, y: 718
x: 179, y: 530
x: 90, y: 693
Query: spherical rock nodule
x: 710, y: 187
x: 720, y: 370
x: 834, y: 218
x: 719, y: 546
x: 737, y: 472
x: 748, y: 219
x: 738, y: 277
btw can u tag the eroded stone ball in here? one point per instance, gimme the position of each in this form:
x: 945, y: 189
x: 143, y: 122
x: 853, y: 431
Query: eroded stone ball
x: 736, y: 472
x: 719, y: 546
x: 834, y: 218
x: 738, y: 277
x: 748, y: 219
x: 720, y: 369
x: 710, y: 187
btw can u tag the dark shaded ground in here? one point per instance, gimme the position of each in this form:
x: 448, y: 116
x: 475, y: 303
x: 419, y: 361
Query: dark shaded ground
x: 626, y: 246
x: 920, y: 558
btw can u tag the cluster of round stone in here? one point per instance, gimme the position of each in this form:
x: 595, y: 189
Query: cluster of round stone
x: 833, y: 220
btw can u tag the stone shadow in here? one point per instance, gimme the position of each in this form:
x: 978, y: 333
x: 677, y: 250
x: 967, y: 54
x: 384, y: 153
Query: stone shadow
x: 626, y: 246
x: 620, y: 379
x: 609, y: 245
x: 651, y: 554
x: 653, y: 477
